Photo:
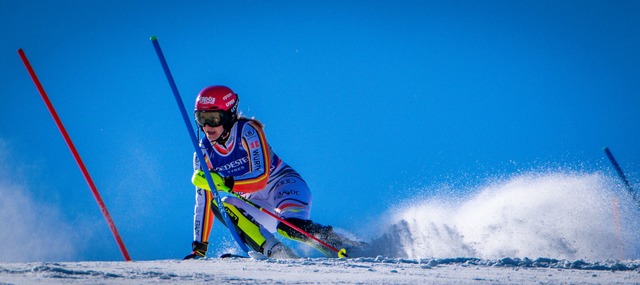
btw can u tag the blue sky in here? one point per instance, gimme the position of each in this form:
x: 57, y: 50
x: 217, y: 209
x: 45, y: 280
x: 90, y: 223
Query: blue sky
x: 375, y: 103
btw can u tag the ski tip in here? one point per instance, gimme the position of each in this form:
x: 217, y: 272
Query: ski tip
x: 154, y: 38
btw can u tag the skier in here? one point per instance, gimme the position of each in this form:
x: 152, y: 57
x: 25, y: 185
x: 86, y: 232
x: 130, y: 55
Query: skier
x: 236, y: 151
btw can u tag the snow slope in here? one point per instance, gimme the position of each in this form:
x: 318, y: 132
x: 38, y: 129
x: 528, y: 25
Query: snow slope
x: 324, y: 271
x: 536, y: 228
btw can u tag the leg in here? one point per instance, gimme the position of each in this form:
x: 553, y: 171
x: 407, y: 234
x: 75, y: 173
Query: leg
x: 245, y: 219
x: 323, y: 233
x: 292, y: 199
x: 202, y: 222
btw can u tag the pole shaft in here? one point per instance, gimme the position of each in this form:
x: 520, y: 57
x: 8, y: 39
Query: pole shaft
x: 76, y: 155
x: 194, y: 141
x: 620, y: 172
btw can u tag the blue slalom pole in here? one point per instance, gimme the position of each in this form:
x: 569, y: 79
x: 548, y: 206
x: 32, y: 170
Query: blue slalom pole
x: 620, y: 173
x: 194, y: 140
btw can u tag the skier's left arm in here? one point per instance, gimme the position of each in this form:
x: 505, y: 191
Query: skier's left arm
x: 255, y: 143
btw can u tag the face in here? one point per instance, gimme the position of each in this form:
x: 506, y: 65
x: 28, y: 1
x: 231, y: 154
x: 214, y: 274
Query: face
x: 213, y: 133
x: 211, y: 123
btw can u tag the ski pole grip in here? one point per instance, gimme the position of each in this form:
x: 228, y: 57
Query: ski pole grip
x: 199, y: 180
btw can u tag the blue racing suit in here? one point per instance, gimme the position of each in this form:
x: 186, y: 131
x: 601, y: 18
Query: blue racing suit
x: 259, y: 175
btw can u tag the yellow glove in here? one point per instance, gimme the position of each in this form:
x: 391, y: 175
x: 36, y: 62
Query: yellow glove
x: 221, y: 183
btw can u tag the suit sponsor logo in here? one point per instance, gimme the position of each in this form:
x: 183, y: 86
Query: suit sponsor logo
x: 250, y: 133
x: 236, y: 163
x: 196, y: 228
x: 285, y: 193
x: 285, y: 181
x: 257, y: 161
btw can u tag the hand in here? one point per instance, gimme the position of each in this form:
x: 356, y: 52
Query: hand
x: 221, y: 183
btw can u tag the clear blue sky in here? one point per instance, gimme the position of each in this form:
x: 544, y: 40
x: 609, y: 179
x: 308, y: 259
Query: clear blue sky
x: 372, y: 101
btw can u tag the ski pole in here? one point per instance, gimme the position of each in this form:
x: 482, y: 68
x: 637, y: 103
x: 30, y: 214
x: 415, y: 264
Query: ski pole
x: 194, y: 141
x: 621, y: 173
x: 341, y: 252
x: 76, y: 155
x: 221, y: 187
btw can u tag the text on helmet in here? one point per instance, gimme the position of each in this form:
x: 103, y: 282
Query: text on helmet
x: 207, y: 100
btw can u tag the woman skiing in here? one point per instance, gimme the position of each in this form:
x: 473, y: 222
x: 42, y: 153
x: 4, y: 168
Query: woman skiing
x: 236, y: 149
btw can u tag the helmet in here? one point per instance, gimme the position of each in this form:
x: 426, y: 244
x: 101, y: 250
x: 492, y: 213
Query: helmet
x: 219, y: 99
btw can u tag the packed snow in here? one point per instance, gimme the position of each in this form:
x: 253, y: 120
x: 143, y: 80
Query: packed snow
x: 539, y: 228
x: 324, y: 271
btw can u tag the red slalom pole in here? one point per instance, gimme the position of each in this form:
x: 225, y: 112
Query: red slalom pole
x: 76, y: 156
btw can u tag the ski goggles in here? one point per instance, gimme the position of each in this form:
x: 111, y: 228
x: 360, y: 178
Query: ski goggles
x: 211, y: 118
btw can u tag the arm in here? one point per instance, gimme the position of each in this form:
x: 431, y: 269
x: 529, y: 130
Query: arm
x: 255, y: 142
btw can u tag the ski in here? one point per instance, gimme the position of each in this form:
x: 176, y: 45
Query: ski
x: 231, y: 255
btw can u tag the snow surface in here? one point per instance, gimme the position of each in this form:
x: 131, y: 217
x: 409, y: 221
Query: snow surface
x: 536, y: 228
x: 377, y: 270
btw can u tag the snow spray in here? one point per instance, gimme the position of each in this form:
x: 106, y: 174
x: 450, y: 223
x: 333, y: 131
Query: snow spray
x: 555, y: 215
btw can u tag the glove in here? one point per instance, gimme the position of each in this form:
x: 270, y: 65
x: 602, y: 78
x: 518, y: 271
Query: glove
x: 199, y: 250
x: 221, y: 183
